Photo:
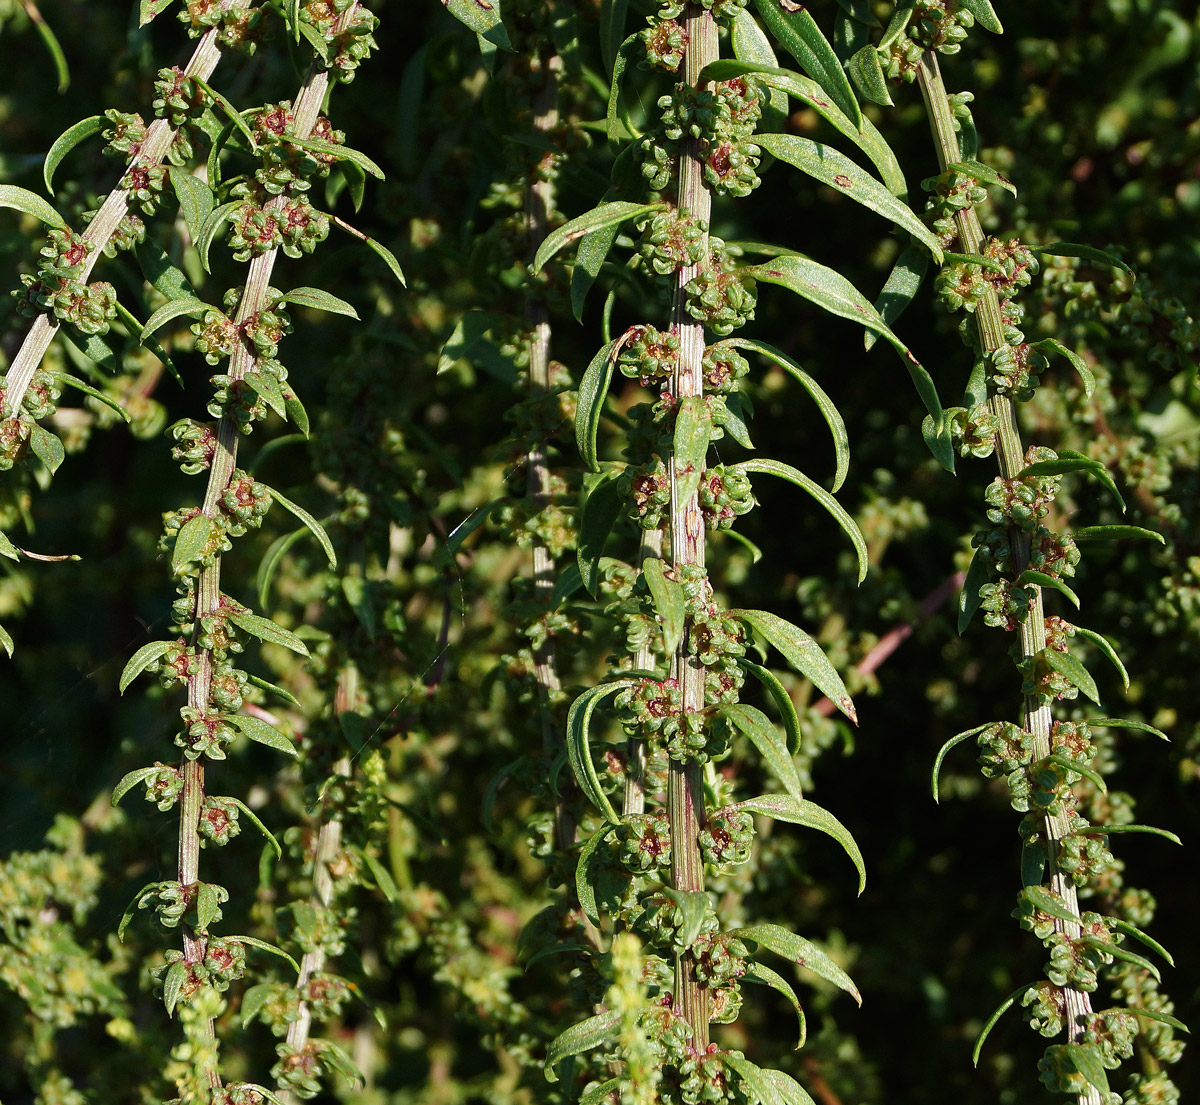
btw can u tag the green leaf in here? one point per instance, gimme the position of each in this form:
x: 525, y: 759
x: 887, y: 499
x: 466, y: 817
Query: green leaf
x: 1066, y: 664
x: 262, y: 945
x: 1050, y: 904
x: 839, y: 513
x: 1122, y: 723
x: 601, y: 1092
x: 584, y: 890
x: 799, y: 34
x: 195, y: 197
x: 799, y: 811
x: 268, y: 387
x: 835, y: 294
x: 783, y: 701
x: 693, y: 432
x: 66, y: 142
x: 866, y: 74
x: 833, y: 419
x: 758, y: 728
x: 341, y: 153
x: 1130, y: 929
x: 191, y: 541
x: 1107, y: 830
x: 314, y: 527
x: 1123, y: 954
x: 207, y: 905
x: 589, y: 260
x: 256, y: 729
x: 1053, y: 345
x: 612, y: 29
x: 827, y: 165
x: 985, y: 174
x: 7, y: 548
x: 601, y: 510
x: 568, y: 582
x: 483, y: 17
x: 140, y: 660
x: 617, y: 124
x: 173, y: 308
x: 165, y: 277
x: 1031, y: 578
x: 266, y: 630
x: 990, y: 1023
x: 46, y: 447
x: 1079, y: 768
x: 753, y: 1080
x: 985, y: 15
x: 667, y: 595
x: 969, y: 599
x: 21, y: 199
x: 593, y: 389
x: 1084, y: 252
x: 150, y: 8
x: 765, y: 976
x: 6, y: 642
x: 131, y: 780
x: 955, y: 740
x: 802, y: 952
x: 1070, y: 461
x: 581, y: 1037
x: 381, y: 875
x: 1106, y: 647
x: 87, y: 389
x: 253, y: 818
x: 270, y: 562
x: 1116, y: 533
x: 173, y: 985
x: 789, y: 1090
x: 750, y: 43
x: 599, y: 218
x: 803, y: 653
x: 579, y: 751
x: 378, y: 248
x: 131, y: 909
x: 900, y: 288
x: 319, y: 300
x: 216, y: 219
x: 471, y: 341
x: 235, y: 117
x: 1154, y: 1015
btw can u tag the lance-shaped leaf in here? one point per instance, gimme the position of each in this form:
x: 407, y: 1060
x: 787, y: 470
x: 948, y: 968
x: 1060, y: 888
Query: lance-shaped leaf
x: 262, y: 945
x: 599, y: 218
x: 579, y: 719
x: 756, y: 726
x: 985, y: 174
x: 148, y: 9
x: 381, y: 875
x: 581, y: 1037
x: 7, y: 548
x: 209, y: 897
x: 1050, y: 904
x: 990, y: 1023
x: 835, y: 294
x: 266, y: 630
x: 790, y: 1091
x: 87, y: 389
x: 759, y: 1085
x: 593, y: 389
x: 601, y: 510
x: 211, y: 227
x: 1084, y: 252
x: 900, y: 288
x: 1066, y: 664
x: 173, y: 308
x: 271, y: 561
x: 274, y: 688
x: 618, y: 126
x: 483, y: 17
x: 258, y: 730
x: 799, y: 811
x: 314, y: 527
x: 750, y: 43
x: 803, y: 653
x: 689, y: 444
x: 1108, y: 830
x: 1130, y: 929
x: 140, y: 660
x: 1106, y: 648
x: 6, y: 642
x: 47, y: 447
x: 1080, y: 768
x: 1154, y: 1015
x: 1124, y: 723
x: 195, y: 197
x: 985, y: 15
x: 603, y: 1091
x: 969, y: 599
x: 827, y: 165
x: 1053, y: 345
x: 173, y: 984
x: 1116, y: 533
x: 341, y: 153
x: 799, y: 34
x: 66, y: 142
x: 1032, y: 578
x: 833, y: 419
x: 804, y: 953
x: 955, y: 740
x: 840, y: 514
x: 867, y: 76
x: 253, y: 818
x: 585, y: 889
x: 1123, y: 954
x: 22, y: 199
x: 190, y: 541
x: 376, y: 247
x: 319, y: 300
x: 783, y: 701
x: 765, y: 976
x: 667, y: 595
x: 131, y: 780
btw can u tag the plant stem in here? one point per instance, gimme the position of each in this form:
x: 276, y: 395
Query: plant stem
x: 1035, y: 716
x: 685, y: 798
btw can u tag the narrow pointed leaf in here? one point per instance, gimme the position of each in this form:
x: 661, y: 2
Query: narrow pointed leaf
x: 211, y: 227
x: 1162, y: 1018
x: 46, y: 447
x: 667, y: 595
x: 319, y: 300
x: 765, y: 976
x: 585, y: 891
x: 957, y: 739
x: 6, y: 642
x: 833, y: 419
x: 1130, y: 929
x: 985, y: 174
x: 990, y: 1023
x: 341, y: 153
x: 866, y: 74
x: 1123, y: 954
x: 173, y: 985
x: 593, y: 389
x: 1053, y: 345
x: 1150, y: 830
x: 803, y: 653
x: 207, y: 905
x: 900, y: 288
x: 1089, y: 773
x: 131, y: 780
x: 266, y: 630
x: 314, y: 527
x: 759, y: 729
x: 799, y: 34
x: 599, y: 218
x: 802, y: 952
x: 262, y: 945
x: 601, y: 510
x: 254, y: 820
x: 1122, y: 723
x: 618, y: 126
x: 1116, y: 533
x: 140, y: 660
x: 87, y: 389
x: 783, y: 701
x: 173, y: 308
x: 750, y: 43
x: 234, y: 116
x: 1050, y: 904
x: 22, y: 199
x: 1066, y: 664
x: 1106, y: 647
x: 1084, y: 252
x: 985, y: 15
x: 752, y: 1080
x: 603, y: 1091
x: 148, y: 9
x: 381, y: 875
x: 195, y: 197
x: 581, y: 1037
x: 190, y: 541
x: 789, y: 1090
x: 1031, y: 578
x: 7, y: 548
x: 579, y: 750
x: 66, y: 142
x: 256, y: 729
x: 483, y: 17
x: 799, y: 811
x: 839, y: 513
x: 969, y: 599
x: 271, y: 561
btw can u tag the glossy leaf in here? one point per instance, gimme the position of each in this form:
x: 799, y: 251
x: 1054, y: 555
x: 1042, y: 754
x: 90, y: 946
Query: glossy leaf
x: 1069, y: 764
x: 833, y: 419
x: 783, y: 701
x: 867, y: 76
x: 1150, y: 830
x: 593, y: 389
x: 173, y: 308
x: 6, y: 642
x: 148, y: 9
x: 985, y: 15
x: 969, y: 599
x: 196, y: 199
x: 900, y: 288
x: 667, y: 595
x: 140, y: 660
x: 584, y: 889
x: 256, y: 729
x: 381, y: 875
x: 46, y: 447
x: 1106, y: 647
x: 581, y: 1037
x: 790, y: 1091
x: 1031, y: 578
x: 827, y: 165
x: 579, y: 750
x: 1122, y: 723
x: 271, y: 561
x: 191, y: 541
x: 87, y: 389
x: 599, y: 218
x: 1123, y: 954
x: 66, y: 142
x: 263, y: 945
x: 803, y: 653
x: 602, y: 1092
x: 1066, y: 664
x: 207, y: 905
x: 319, y: 300
x: 799, y: 811
x: 266, y: 630
x: 235, y: 117
x: 839, y: 513
x: 22, y: 199
x: 1053, y: 345
x: 1069, y: 461
x: 802, y: 952
x: 751, y: 44
x: 216, y: 219
x: 765, y: 976
x: 378, y: 248
x: 953, y: 742
x: 799, y: 34
x: 341, y: 153
x: 314, y: 527
x: 131, y: 780
x: 7, y: 548
x: 990, y: 1023
x: 1115, y: 533
x: 618, y: 126
x: 759, y: 729
x: 1083, y: 252
x: 1050, y: 904
x: 1130, y: 929
x: 1161, y: 1018
x: 985, y: 174
x: 601, y: 510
